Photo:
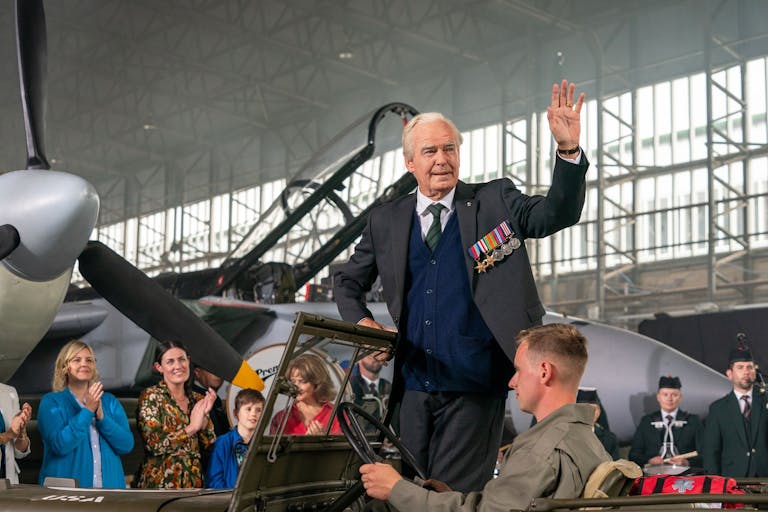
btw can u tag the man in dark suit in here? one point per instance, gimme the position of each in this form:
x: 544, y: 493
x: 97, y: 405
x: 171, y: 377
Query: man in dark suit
x: 668, y: 427
x: 736, y: 433
x: 203, y: 379
x: 370, y: 389
x: 459, y: 287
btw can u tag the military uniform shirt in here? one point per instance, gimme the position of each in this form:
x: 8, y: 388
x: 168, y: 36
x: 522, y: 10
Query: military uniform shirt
x: 552, y: 459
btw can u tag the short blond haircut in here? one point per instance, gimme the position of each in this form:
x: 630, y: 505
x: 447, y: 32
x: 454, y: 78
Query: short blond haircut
x: 562, y: 343
x: 61, y: 367
x: 427, y: 117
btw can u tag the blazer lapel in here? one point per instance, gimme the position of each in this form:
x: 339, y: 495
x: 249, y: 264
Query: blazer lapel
x: 659, y: 431
x: 465, y: 207
x: 735, y: 412
x: 401, y: 232
x: 755, y: 416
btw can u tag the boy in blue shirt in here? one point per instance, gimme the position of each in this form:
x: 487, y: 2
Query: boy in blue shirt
x: 230, y: 449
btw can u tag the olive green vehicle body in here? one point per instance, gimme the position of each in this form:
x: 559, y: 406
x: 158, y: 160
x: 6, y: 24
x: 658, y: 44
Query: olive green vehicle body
x: 280, y: 472
x: 283, y: 473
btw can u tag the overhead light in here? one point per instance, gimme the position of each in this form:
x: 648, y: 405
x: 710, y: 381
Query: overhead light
x: 346, y: 55
x: 149, y: 126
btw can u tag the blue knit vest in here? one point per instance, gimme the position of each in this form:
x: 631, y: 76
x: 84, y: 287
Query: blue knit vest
x: 447, y: 346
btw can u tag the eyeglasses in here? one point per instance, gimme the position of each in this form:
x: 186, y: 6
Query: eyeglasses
x: 86, y: 360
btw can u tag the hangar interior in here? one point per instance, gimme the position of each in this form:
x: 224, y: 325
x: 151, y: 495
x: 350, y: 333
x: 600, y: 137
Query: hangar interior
x: 190, y: 118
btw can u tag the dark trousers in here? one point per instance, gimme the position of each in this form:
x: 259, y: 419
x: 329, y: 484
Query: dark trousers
x: 454, y: 436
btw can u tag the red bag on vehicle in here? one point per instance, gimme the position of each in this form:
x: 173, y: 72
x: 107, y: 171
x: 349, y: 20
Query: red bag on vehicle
x: 673, y: 484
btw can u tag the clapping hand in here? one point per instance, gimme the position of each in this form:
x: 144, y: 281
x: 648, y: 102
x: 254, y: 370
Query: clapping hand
x: 93, y: 399
x: 314, y: 428
x: 198, y: 418
x: 209, y: 399
x: 20, y: 420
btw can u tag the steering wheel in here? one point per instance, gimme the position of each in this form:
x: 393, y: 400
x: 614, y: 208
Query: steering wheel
x: 351, y: 429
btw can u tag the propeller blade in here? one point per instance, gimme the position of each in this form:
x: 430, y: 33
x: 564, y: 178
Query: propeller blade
x: 32, y: 46
x: 159, y: 313
x: 9, y: 240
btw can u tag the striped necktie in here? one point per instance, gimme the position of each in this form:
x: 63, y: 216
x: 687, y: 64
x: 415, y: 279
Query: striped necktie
x: 435, y: 229
x: 747, y: 407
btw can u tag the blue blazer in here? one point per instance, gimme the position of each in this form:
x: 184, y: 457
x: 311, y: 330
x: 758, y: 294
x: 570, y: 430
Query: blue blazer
x: 64, y: 428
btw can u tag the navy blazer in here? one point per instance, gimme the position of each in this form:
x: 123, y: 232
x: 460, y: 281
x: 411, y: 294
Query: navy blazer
x: 383, y: 249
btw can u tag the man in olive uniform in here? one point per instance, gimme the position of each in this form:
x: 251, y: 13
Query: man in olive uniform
x: 552, y: 459
x: 669, y: 424
x: 736, y: 434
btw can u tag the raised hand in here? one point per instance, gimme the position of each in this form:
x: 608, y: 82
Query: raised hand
x: 564, y: 115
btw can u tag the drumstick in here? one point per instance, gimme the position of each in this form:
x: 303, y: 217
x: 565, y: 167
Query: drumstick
x: 683, y: 456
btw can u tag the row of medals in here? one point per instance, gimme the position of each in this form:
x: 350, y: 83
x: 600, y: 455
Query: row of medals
x: 498, y: 254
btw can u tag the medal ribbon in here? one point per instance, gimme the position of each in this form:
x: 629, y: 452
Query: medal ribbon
x: 500, y: 234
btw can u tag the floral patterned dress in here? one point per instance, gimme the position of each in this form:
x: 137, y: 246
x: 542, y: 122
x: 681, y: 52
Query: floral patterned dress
x: 171, y: 456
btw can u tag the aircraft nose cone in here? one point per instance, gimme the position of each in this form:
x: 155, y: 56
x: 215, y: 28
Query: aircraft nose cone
x: 54, y: 213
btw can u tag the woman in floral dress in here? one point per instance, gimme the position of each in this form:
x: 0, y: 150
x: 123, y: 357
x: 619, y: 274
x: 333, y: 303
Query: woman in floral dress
x: 174, y: 424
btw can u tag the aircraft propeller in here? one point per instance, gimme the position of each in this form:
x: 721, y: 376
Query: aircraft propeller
x: 9, y: 240
x: 32, y: 47
x: 46, y: 218
x: 159, y: 313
